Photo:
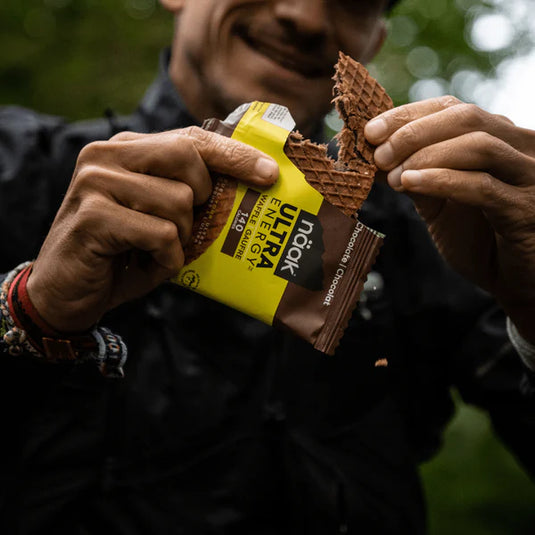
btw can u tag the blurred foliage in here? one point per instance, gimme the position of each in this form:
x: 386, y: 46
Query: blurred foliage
x: 474, y: 486
x: 77, y: 58
x: 433, y: 41
x: 437, y: 30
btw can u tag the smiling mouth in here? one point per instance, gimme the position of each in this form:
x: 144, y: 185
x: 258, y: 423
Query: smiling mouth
x: 287, y: 57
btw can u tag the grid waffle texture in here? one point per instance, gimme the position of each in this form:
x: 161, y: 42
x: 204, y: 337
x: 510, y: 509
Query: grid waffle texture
x: 346, y: 183
x: 345, y: 189
x: 358, y: 97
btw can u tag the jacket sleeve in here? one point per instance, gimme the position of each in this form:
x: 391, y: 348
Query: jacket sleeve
x: 448, y: 334
x: 37, y: 158
x: 28, y: 183
x: 469, y: 336
x: 41, y: 403
x: 495, y: 378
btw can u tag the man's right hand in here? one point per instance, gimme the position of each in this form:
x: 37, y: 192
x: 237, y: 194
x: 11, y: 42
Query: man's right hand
x: 126, y: 216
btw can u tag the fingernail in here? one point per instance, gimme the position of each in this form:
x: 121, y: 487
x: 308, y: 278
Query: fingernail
x: 394, y: 177
x: 411, y: 178
x: 266, y: 169
x: 384, y: 155
x: 376, y: 129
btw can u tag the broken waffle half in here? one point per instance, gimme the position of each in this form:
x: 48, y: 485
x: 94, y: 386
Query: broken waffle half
x: 345, y: 183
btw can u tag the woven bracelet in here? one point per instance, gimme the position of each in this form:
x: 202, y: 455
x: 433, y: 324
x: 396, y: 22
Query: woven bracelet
x: 24, y: 332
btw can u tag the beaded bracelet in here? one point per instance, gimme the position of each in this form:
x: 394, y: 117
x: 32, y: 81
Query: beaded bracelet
x: 23, y: 331
x: 13, y: 336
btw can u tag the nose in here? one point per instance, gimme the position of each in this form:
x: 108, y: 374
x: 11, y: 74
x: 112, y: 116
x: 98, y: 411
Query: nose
x: 306, y: 16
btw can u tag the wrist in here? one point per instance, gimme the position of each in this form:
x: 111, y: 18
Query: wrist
x: 25, y: 315
x: 56, y: 318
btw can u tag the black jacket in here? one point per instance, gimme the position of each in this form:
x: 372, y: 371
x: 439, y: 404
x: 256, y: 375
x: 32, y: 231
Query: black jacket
x: 222, y: 424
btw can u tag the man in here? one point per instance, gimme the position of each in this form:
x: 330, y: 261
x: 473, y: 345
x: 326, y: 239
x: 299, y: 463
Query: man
x: 223, y: 425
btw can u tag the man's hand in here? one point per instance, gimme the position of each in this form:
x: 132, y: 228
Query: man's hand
x: 127, y: 214
x: 471, y: 175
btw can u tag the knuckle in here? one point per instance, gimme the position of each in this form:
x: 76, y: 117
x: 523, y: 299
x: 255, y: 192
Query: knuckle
x: 168, y: 234
x: 183, y: 132
x: 487, y: 186
x: 125, y: 135
x: 399, y: 116
x: 197, y: 134
x: 447, y: 101
x: 504, y: 119
x: 490, y: 146
x: 482, y: 141
x: 90, y: 212
x: 137, y: 205
x: 188, y: 152
x: 195, y: 131
x: 93, y: 151
x: 234, y: 153
x: 186, y: 198
x: 182, y: 199
x: 483, y: 138
x: 470, y: 114
x: 448, y: 178
x: 420, y: 159
x: 87, y: 175
x: 223, y: 150
x: 407, y: 135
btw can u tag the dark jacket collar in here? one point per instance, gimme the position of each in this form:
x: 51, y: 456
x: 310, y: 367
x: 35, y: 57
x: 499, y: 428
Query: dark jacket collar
x: 162, y: 107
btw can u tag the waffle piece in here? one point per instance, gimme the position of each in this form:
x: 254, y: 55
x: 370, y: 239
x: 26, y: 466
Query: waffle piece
x: 345, y: 189
x: 347, y: 182
x: 358, y: 97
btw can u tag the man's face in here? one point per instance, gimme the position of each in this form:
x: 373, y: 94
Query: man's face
x: 227, y: 52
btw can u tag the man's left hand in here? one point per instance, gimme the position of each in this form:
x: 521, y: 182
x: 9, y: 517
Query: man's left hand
x: 471, y: 175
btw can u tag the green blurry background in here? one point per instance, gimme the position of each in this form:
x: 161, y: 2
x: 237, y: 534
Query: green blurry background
x: 79, y: 58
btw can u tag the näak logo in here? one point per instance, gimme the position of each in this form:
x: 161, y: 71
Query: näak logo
x: 301, y: 260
